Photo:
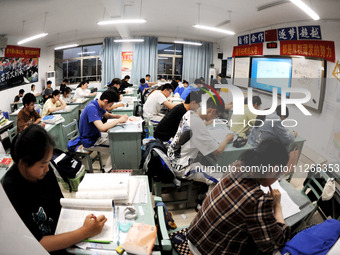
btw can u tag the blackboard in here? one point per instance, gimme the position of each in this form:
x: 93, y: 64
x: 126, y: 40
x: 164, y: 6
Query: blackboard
x: 309, y: 74
x: 241, y: 72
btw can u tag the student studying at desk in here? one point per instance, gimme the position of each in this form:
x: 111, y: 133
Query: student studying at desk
x: 237, y: 217
x: 82, y: 91
x: 32, y: 188
x: 53, y: 104
x: 17, y: 99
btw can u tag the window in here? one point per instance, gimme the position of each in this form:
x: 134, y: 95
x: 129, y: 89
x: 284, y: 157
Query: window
x: 78, y: 64
x: 170, y: 60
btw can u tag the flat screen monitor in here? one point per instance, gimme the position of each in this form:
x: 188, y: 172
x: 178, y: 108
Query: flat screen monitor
x: 268, y: 73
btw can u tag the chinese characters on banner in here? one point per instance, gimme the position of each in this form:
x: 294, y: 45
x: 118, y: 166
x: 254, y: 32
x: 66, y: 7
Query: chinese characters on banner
x: 21, y: 52
x: 257, y: 37
x: 316, y: 49
x: 243, y: 40
x: 287, y: 34
x: 309, y: 32
x: 248, y: 50
x: 126, y: 61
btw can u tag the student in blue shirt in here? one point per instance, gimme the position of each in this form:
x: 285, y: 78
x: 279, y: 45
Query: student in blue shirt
x: 179, y: 90
x: 190, y: 88
x: 143, y: 86
x: 91, y: 125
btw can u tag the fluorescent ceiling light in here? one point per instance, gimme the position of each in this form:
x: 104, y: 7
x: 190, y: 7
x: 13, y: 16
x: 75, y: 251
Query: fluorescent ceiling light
x: 190, y: 43
x: 66, y: 46
x: 306, y: 9
x: 173, y: 50
x: 215, y: 29
x: 32, y: 38
x: 129, y: 40
x: 88, y: 52
x: 121, y: 21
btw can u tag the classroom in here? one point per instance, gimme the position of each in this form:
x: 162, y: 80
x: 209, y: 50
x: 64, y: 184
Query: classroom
x: 198, y: 127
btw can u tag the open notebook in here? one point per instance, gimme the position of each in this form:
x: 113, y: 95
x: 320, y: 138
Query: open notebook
x: 289, y: 208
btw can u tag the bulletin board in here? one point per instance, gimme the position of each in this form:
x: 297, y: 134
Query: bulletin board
x: 309, y: 74
x: 241, y: 72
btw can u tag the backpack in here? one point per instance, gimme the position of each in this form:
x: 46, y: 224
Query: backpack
x: 66, y: 165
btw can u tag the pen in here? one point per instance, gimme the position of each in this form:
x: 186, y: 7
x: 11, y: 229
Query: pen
x: 96, y: 241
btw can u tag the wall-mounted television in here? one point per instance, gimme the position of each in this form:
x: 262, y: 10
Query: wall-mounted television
x: 267, y: 73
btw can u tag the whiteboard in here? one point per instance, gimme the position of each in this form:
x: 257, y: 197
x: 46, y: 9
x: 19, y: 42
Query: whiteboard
x: 241, y: 72
x: 308, y: 74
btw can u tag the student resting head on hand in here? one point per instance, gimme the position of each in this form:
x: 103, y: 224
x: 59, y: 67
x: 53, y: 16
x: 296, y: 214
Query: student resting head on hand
x: 32, y: 188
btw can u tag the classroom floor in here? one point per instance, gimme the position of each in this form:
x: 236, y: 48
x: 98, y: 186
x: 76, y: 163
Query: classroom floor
x: 184, y: 216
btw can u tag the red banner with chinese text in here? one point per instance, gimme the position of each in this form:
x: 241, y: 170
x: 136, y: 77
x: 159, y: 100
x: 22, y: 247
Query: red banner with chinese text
x: 309, y: 48
x: 21, y: 52
x: 248, y: 50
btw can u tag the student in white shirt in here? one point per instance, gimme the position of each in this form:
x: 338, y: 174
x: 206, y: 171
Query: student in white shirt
x: 66, y: 96
x: 53, y: 104
x: 82, y: 91
x: 33, y: 91
x: 155, y: 102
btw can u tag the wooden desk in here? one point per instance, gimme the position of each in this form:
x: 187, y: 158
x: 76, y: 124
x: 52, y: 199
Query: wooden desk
x: 57, y: 133
x: 124, y: 110
x: 146, y: 218
x: 125, y: 146
x: 70, y: 115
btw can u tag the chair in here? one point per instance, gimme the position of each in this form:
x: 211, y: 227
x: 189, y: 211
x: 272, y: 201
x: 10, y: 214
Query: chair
x: 12, y: 133
x: 71, y: 131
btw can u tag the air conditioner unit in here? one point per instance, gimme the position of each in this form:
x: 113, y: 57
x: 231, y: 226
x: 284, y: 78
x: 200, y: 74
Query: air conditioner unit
x: 50, y: 76
x: 3, y: 42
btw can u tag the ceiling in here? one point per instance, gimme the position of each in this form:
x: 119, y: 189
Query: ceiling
x: 75, y: 20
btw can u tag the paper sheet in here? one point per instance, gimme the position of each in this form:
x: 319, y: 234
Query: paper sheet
x: 219, y: 133
x: 289, y: 208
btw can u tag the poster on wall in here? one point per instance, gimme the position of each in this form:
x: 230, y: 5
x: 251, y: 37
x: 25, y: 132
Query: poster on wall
x: 17, y: 71
x: 126, y: 61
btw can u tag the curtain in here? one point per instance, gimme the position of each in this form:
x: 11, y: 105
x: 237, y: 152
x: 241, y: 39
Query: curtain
x: 111, y: 57
x: 144, y: 59
x: 196, y: 61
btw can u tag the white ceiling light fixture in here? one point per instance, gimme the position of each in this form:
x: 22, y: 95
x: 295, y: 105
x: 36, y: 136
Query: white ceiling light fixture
x: 215, y: 29
x: 306, y: 9
x: 66, y: 46
x: 35, y: 36
x: 121, y: 21
x: 128, y: 40
x: 189, y: 43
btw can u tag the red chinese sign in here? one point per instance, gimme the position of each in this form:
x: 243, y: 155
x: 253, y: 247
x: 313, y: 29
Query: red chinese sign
x: 248, y: 50
x: 126, y: 61
x: 21, y: 52
x: 307, y: 48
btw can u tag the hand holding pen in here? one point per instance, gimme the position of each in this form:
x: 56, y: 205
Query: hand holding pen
x: 93, y: 225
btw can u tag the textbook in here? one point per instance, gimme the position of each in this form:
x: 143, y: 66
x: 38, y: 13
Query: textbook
x: 53, y: 119
x: 74, y: 212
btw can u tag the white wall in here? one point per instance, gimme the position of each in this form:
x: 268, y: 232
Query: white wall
x: 318, y: 129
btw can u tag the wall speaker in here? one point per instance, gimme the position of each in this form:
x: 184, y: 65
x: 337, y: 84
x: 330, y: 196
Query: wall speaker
x: 220, y: 55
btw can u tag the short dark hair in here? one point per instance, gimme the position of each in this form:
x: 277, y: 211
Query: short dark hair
x: 115, y: 81
x: 167, y: 86
x: 142, y: 80
x: 31, y: 145
x: 32, y: 86
x: 28, y: 98
x: 110, y: 95
x: 193, y: 96
x: 81, y: 84
x: 48, y: 82
x: 148, y: 75
x: 177, y: 78
x: 279, y: 113
x: 65, y: 80
x: 219, y: 106
x: 185, y: 81
x: 256, y: 100
x: 127, y: 77
x: 221, y: 75
x: 21, y: 91
x: 198, y: 81
x: 55, y: 92
x: 66, y: 90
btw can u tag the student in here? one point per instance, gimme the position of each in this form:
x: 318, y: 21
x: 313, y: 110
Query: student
x: 237, y: 217
x: 197, y: 84
x: 181, y: 87
x: 53, y: 104
x: 175, y: 82
x: 82, y: 91
x: 193, y: 140
x: 17, y: 98
x: 91, y: 125
x: 239, y: 123
x: 48, y: 91
x: 116, y: 85
x: 33, y: 91
x: 143, y: 87
x: 63, y: 85
x: 272, y: 128
x: 156, y: 100
x: 221, y: 79
x: 28, y: 115
x: 66, y: 96
x: 168, y: 126
x: 147, y: 80
x: 125, y: 83
x: 33, y: 190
